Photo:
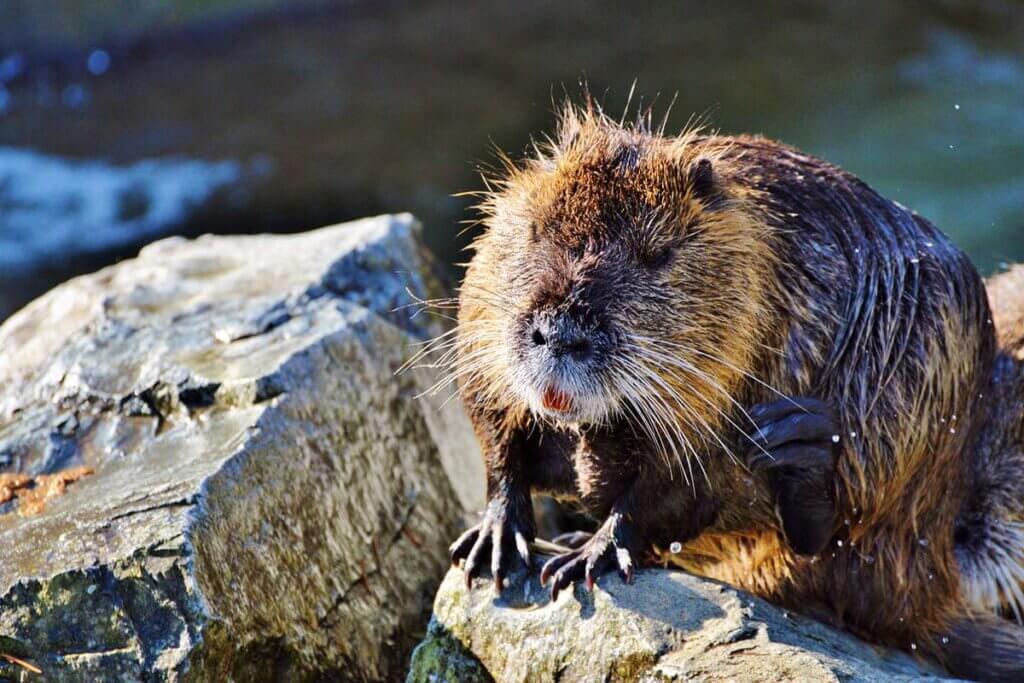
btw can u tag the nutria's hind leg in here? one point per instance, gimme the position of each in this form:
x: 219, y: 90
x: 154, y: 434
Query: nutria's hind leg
x: 985, y: 647
x: 794, y: 444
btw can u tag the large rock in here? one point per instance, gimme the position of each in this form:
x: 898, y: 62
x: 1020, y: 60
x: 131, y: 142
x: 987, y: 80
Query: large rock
x: 269, y: 500
x: 667, y: 626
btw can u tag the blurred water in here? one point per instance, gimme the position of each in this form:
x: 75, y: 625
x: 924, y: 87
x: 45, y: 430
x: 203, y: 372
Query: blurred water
x: 352, y: 108
x: 47, y: 203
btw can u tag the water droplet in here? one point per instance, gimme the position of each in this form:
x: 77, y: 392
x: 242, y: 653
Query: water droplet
x: 785, y: 615
x: 945, y: 640
x: 869, y: 559
x: 951, y: 146
x: 901, y: 620
x: 953, y: 418
x: 956, y: 106
x: 952, y: 430
x: 930, y: 576
x: 847, y: 522
x: 98, y: 62
x: 915, y: 260
x: 913, y: 646
x: 923, y: 542
x: 929, y: 244
x: 839, y: 543
x: 853, y: 435
x: 835, y: 438
x: 676, y: 547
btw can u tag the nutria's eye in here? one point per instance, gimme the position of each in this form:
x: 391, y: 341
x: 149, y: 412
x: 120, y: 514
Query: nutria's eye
x: 658, y: 257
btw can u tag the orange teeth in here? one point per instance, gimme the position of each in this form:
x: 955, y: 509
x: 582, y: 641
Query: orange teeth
x: 556, y: 400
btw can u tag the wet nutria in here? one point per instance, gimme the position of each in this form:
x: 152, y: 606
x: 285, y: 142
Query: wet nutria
x: 743, y: 357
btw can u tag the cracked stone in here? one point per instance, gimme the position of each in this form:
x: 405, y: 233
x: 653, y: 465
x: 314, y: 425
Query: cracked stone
x: 263, y: 483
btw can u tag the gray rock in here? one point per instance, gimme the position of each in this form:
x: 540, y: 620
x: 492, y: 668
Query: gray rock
x: 667, y: 626
x: 269, y: 500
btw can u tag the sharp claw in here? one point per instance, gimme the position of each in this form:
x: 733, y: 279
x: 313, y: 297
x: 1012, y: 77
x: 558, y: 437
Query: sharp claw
x: 524, y: 550
x: 459, y: 550
x: 472, y: 567
x: 625, y: 562
x: 551, y: 567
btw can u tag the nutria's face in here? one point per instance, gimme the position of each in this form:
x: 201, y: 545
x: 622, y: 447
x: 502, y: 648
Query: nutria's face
x: 616, y: 279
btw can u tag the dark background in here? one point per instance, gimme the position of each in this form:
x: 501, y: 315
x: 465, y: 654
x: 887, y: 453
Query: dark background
x: 124, y: 121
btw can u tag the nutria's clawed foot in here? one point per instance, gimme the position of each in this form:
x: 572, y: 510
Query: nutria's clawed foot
x: 506, y: 530
x: 614, y: 545
x: 794, y: 445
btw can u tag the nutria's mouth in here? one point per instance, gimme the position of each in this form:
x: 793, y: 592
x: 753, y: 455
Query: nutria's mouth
x: 556, y: 400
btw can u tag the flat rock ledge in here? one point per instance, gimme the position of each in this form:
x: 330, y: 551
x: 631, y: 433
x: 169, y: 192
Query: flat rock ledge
x: 268, y: 499
x: 666, y: 626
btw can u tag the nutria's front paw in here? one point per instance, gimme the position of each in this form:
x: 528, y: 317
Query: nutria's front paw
x: 795, y: 444
x: 614, y: 545
x: 795, y: 432
x: 505, y: 531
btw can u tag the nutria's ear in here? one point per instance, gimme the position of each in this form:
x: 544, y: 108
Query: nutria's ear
x: 702, y: 179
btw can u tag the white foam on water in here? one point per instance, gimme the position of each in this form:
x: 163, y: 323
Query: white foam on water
x: 51, y: 206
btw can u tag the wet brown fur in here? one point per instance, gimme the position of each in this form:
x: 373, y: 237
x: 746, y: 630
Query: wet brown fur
x: 796, y: 273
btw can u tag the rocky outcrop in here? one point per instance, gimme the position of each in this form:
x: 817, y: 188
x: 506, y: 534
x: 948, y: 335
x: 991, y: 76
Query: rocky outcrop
x: 667, y: 626
x: 268, y: 500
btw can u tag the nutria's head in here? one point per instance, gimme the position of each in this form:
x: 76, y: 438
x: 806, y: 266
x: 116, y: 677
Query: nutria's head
x: 621, y: 273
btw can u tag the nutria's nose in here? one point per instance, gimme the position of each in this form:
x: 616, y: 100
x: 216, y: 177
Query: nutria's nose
x: 561, y: 338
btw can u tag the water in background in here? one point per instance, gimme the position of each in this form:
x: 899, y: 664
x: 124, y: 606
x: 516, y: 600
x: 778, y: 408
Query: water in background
x: 118, y: 126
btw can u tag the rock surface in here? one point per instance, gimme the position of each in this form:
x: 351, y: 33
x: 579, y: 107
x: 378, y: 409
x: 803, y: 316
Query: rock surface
x: 667, y: 626
x: 269, y: 501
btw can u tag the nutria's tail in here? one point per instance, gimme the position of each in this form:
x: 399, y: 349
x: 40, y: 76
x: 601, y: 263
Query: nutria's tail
x: 985, y: 648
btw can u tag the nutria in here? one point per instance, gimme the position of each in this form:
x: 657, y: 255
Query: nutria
x: 745, y: 359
